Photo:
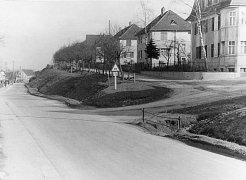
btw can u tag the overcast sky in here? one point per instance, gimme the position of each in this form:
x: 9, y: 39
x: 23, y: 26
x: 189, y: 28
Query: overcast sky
x: 33, y: 30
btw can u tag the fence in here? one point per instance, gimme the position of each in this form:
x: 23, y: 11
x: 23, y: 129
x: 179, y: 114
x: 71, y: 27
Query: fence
x: 164, y: 123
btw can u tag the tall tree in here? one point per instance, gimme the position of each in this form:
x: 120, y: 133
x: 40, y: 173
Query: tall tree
x: 152, y: 51
x: 198, y: 16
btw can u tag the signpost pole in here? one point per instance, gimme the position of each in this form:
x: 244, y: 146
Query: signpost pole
x: 115, y: 82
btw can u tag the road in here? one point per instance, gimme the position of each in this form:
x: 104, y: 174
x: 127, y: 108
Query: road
x: 44, y: 139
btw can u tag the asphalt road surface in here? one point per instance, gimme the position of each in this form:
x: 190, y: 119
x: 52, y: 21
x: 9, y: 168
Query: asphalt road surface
x: 45, y: 140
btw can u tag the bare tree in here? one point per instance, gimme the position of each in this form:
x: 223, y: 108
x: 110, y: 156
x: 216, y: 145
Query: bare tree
x: 198, y: 16
x: 167, y: 52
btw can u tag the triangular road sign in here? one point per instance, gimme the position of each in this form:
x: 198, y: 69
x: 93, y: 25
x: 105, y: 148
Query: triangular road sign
x: 115, y: 68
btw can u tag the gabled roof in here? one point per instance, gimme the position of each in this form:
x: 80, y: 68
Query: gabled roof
x: 150, y: 25
x: 168, y: 21
x: 215, y: 8
x: 28, y: 72
x: 171, y: 22
x: 121, y: 32
x: 128, y: 32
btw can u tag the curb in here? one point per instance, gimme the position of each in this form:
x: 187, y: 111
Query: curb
x: 67, y: 101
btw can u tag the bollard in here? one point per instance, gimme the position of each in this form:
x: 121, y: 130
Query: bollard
x: 179, y: 123
x: 143, y: 114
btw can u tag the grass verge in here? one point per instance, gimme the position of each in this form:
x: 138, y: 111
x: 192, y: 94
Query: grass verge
x: 92, y: 89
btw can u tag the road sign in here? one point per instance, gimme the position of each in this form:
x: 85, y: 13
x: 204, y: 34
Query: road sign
x: 115, y: 68
x: 115, y: 73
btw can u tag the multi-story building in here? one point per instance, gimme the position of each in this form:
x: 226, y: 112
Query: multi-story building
x: 171, y: 34
x: 223, y: 24
x: 128, y: 44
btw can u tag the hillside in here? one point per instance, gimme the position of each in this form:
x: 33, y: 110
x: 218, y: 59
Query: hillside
x: 92, y: 89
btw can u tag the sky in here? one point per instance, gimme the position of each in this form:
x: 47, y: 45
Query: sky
x: 32, y: 31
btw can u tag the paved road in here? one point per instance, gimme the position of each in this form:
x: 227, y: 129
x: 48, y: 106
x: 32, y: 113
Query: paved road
x: 43, y: 139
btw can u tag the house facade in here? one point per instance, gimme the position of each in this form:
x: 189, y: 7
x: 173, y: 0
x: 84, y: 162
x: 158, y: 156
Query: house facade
x: 128, y: 44
x: 171, y: 35
x: 223, y: 24
x: 24, y: 75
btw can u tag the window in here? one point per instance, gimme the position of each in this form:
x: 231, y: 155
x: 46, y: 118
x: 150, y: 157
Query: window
x: 163, y: 36
x: 243, y: 17
x: 243, y: 47
x: 232, y: 18
x: 202, y: 4
x: 219, y: 21
x: 213, y: 24
x: 209, y: 2
x: 223, y: 47
x: 124, y: 54
x: 218, y: 49
x: 195, y: 29
x: 131, y: 54
x: 206, y: 49
x: 242, y: 69
x: 140, y: 40
x: 231, y: 69
x: 212, y: 50
x: 204, y: 25
x: 183, y: 47
x: 128, y: 42
x: 198, y: 52
x: 141, y: 54
x: 232, y: 47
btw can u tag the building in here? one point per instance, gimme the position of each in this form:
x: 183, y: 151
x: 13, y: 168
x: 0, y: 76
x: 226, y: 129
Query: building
x: 24, y: 75
x: 2, y: 76
x: 171, y: 34
x: 223, y: 24
x: 128, y: 44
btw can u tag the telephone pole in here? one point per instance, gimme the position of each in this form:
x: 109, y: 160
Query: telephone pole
x: 13, y: 69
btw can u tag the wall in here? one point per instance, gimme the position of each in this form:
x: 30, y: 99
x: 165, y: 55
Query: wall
x: 192, y: 75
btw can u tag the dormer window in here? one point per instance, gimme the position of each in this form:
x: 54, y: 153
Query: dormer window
x: 173, y: 22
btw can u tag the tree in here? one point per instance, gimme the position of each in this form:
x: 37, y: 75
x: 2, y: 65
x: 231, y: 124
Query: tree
x: 167, y: 53
x: 196, y: 10
x: 152, y: 51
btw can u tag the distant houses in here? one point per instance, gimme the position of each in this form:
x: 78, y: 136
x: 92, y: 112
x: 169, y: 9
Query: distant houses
x: 24, y: 75
x: 170, y: 33
x: 223, y: 28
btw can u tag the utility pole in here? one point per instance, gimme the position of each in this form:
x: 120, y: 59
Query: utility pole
x: 109, y: 28
x: 13, y: 68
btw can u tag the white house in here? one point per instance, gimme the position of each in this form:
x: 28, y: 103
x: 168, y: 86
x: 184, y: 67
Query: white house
x: 171, y: 34
x: 128, y: 44
x: 223, y: 30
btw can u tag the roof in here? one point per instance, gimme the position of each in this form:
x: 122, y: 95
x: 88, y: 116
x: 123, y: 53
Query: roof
x: 215, y: 8
x: 128, y: 32
x: 121, y: 32
x: 28, y: 72
x: 168, y: 21
x: 92, y: 40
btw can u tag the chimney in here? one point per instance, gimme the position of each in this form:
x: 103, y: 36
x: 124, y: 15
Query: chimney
x: 130, y: 23
x: 163, y: 10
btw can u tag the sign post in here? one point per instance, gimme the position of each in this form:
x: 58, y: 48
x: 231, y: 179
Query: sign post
x: 115, y: 71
